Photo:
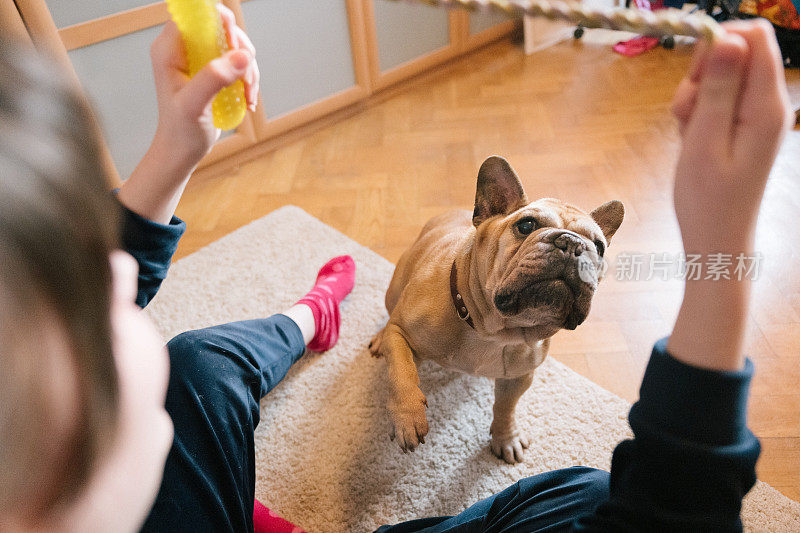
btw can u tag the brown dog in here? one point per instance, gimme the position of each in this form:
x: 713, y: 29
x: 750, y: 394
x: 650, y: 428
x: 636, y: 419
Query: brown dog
x: 484, y: 294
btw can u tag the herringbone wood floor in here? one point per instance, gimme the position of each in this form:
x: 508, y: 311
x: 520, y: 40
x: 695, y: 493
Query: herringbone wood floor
x: 578, y: 122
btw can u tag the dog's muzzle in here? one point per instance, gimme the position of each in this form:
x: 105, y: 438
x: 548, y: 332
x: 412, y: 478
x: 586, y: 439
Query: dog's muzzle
x: 557, y: 273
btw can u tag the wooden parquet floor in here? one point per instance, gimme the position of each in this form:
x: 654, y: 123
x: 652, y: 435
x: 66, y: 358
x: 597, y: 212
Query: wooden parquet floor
x: 577, y: 122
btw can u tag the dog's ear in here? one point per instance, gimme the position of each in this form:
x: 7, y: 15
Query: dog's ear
x: 609, y: 217
x: 499, y: 190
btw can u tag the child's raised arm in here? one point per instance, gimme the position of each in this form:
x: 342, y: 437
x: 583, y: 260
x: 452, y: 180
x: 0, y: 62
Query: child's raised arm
x: 185, y: 132
x: 733, y: 111
x: 692, y: 458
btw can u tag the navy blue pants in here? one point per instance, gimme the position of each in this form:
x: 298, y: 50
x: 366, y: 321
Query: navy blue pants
x: 217, y: 377
x: 548, y: 502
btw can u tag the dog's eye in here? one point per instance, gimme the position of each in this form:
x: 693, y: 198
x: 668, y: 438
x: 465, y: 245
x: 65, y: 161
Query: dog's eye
x: 601, y: 248
x: 526, y: 226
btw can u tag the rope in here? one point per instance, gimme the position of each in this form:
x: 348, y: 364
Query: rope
x: 655, y: 24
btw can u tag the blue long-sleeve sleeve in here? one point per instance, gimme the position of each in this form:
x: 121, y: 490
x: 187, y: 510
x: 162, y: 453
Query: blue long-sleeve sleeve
x: 692, y: 458
x: 152, y: 245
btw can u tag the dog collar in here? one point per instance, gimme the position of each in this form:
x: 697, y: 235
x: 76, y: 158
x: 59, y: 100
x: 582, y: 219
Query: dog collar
x: 458, y: 301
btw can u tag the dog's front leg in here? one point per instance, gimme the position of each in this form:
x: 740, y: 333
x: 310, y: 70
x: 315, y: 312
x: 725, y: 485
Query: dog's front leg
x: 507, y: 443
x: 406, y: 402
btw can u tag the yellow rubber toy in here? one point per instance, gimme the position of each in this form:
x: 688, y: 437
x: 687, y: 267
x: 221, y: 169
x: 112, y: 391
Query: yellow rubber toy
x: 204, y: 37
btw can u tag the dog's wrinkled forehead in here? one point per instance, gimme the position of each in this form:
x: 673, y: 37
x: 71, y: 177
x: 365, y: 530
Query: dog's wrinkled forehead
x: 553, y: 213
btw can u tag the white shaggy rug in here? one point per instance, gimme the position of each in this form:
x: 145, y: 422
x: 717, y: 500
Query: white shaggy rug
x: 324, y: 458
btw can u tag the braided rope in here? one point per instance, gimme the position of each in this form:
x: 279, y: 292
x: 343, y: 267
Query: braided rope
x: 659, y: 24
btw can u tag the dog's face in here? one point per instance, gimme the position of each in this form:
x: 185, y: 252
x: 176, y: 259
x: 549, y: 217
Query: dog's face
x: 540, y: 261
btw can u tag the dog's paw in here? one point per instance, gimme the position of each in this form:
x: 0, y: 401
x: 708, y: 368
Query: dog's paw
x: 509, y: 446
x: 409, y: 422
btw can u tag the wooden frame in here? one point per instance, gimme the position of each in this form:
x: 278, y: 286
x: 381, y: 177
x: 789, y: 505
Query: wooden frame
x: 268, y: 127
x: 460, y: 42
x: 113, y: 26
x: 383, y: 79
x: 59, y: 42
x: 44, y: 35
x: 257, y: 127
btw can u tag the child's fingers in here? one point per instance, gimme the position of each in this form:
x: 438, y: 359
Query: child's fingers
x: 684, y: 102
x: 721, y: 78
x: 252, y: 86
x: 253, y: 77
x: 765, y: 74
x: 685, y: 98
x: 695, y: 67
x: 765, y: 101
x: 170, y: 66
x: 212, y: 78
x: 243, y: 41
x: 237, y: 39
x: 236, y: 36
x: 228, y: 23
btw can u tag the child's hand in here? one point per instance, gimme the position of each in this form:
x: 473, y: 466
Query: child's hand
x: 733, y: 111
x: 186, y: 131
x: 185, y: 126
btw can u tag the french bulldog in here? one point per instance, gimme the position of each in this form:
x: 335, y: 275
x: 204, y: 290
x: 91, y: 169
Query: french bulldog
x: 483, y: 293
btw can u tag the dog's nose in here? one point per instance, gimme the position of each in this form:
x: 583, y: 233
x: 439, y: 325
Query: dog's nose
x: 570, y: 243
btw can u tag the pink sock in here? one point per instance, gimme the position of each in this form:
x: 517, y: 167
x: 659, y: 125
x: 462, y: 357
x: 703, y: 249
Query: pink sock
x: 334, y: 281
x: 265, y: 521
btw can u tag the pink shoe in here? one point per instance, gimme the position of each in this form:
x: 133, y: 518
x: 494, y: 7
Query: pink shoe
x: 636, y: 46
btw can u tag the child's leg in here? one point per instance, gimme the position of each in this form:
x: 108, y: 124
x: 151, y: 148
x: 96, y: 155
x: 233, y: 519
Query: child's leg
x: 551, y: 501
x: 217, y: 377
x: 302, y: 315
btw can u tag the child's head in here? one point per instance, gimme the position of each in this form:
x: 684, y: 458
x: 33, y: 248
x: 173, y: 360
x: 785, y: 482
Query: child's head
x: 62, y: 402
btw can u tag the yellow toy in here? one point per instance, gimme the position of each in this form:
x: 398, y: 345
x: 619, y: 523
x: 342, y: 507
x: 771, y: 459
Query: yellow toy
x: 204, y: 37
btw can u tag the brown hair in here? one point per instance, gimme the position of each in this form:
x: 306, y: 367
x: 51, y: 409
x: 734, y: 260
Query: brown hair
x: 58, y: 224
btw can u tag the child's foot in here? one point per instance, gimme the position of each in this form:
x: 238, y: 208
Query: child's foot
x: 334, y: 281
x: 265, y: 521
